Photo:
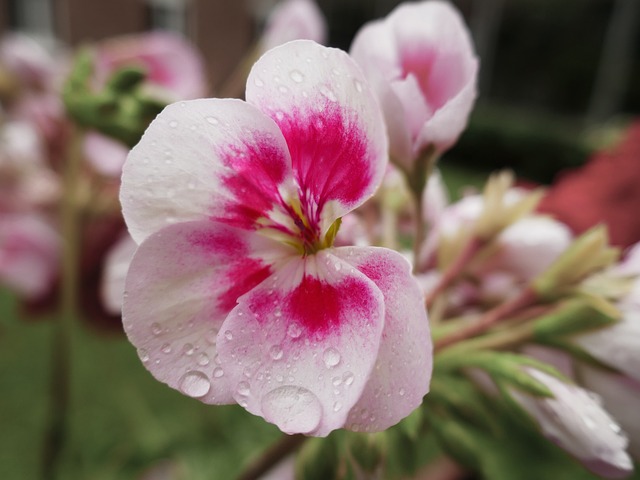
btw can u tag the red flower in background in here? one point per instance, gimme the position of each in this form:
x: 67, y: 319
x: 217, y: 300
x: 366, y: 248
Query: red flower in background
x: 606, y: 190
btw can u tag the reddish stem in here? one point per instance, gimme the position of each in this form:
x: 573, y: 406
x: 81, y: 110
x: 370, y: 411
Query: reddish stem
x: 527, y: 298
x: 456, y: 268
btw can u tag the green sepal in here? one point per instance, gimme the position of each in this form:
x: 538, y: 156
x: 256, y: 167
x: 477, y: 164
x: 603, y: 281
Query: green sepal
x: 574, y: 316
x: 502, y: 367
x: 368, y: 452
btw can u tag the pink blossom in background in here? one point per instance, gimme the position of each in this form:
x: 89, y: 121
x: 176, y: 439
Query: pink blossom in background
x: 28, y: 60
x: 29, y: 254
x: 421, y: 63
x: 294, y: 20
x: 175, y: 71
x: 174, y: 68
x: 26, y: 182
x: 236, y: 293
x: 576, y: 422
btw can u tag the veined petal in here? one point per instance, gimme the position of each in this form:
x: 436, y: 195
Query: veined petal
x: 182, y: 282
x: 402, y: 373
x: 299, y: 348
x: 216, y: 159
x: 334, y: 129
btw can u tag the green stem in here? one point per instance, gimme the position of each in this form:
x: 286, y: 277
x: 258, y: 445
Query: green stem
x: 63, y: 334
x: 286, y: 446
x: 527, y: 298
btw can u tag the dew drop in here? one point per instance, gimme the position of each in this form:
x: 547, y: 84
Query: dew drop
x: 203, y: 359
x: 144, y: 355
x: 283, y: 89
x: 166, y: 348
x: 337, y: 266
x: 213, y: 120
x: 336, y: 381
x: 293, y: 409
x: 173, y: 124
x: 348, y: 378
x: 191, y: 186
x: 195, y: 384
x: 401, y: 392
x: 211, y: 335
x: 188, y: 349
x: 276, y: 352
x: 296, y: 76
x: 243, y: 389
x: 337, y: 406
x: 280, y: 115
x: 331, y: 357
x: 218, y: 372
x: 294, y: 330
x: 156, y: 329
x: 328, y: 93
x: 358, y: 85
x: 258, y: 82
x: 228, y: 335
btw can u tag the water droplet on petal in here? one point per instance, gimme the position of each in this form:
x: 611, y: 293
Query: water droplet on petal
x: 401, y: 392
x: 218, y: 372
x: 213, y: 120
x: 283, y: 89
x: 328, y: 93
x: 337, y: 406
x: 211, y: 335
x: 188, y: 349
x: 276, y: 352
x: 173, y: 124
x: 243, y: 389
x: 294, y: 330
x: 331, y: 357
x: 337, y: 266
x: 358, y: 85
x: 296, y: 76
x: 195, y: 384
x: 144, y: 355
x: 228, y: 335
x: 336, y: 381
x: 258, y: 82
x: 348, y: 378
x: 293, y: 409
x: 156, y: 329
x: 203, y: 359
x: 166, y: 348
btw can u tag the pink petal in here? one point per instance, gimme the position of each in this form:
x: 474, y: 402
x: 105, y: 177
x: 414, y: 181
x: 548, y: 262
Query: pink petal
x: 29, y: 254
x: 294, y: 20
x: 330, y: 119
x: 115, y: 272
x: 620, y: 397
x: 429, y: 41
x: 299, y: 348
x: 105, y: 154
x: 218, y: 159
x: 171, y: 63
x: 182, y: 282
x: 403, y: 368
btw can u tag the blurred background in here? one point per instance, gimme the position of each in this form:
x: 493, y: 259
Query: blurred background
x: 559, y: 82
x: 553, y: 74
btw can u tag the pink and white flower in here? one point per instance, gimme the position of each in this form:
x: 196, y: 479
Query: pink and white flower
x: 421, y: 63
x: 236, y: 293
x: 574, y: 420
x: 294, y: 20
x: 29, y: 254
